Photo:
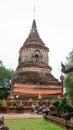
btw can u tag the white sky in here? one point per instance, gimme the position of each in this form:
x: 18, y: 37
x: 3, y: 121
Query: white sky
x: 54, y: 19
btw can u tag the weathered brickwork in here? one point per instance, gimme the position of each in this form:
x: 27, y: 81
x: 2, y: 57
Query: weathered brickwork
x: 34, y: 76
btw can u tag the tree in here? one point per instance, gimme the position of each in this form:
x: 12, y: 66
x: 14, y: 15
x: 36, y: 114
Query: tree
x: 69, y: 77
x: 69, y: 85
x: 62, y: 106
x: 5, y: 77
x: 69, y: 59
x: 4, y: 92
x: 57, y: 105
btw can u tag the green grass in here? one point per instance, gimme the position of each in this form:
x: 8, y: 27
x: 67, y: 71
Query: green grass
x: 31, y: 124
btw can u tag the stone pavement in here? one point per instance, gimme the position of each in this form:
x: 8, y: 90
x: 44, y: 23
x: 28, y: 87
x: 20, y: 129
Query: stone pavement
x: 11, y: 116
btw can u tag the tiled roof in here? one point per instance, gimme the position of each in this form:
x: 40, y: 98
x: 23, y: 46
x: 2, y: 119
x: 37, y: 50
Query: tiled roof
x: 36, y: 92
x: 69, y: 70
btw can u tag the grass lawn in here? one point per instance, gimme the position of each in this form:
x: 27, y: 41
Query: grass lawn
x: 31, y: 124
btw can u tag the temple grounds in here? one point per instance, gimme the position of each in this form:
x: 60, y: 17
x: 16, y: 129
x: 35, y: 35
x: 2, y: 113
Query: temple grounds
x: 28, y: 121
x: 31, y: 124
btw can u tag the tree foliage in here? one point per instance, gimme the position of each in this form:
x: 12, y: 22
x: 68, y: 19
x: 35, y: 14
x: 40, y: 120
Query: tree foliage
x: 4, y: 92
x: 62, y: 106
x: 5, y: 77
x: 69, y: 77
x: 69, y: 59
x: 69, y: 85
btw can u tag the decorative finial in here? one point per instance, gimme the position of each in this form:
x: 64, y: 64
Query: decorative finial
x: 34, y: 12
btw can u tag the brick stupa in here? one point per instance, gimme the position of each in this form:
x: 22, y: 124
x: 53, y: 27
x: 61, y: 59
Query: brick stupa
x: 34, y: 80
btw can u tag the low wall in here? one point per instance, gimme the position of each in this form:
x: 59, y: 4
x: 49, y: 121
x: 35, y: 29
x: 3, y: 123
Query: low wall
x: 62, y: 122
x: 6, y: 109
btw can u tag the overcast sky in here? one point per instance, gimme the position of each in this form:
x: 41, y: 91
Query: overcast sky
x: 54, y: 19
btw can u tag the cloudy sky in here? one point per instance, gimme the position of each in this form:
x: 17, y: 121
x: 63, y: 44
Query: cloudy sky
x: 54, y: 19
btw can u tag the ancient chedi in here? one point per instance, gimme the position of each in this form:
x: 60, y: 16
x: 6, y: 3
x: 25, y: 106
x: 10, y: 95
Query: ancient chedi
x: 34, y: 80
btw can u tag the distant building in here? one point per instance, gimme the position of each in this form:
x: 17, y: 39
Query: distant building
x: 1, y: 64
x: 68, y: 70
x: 34, y: 81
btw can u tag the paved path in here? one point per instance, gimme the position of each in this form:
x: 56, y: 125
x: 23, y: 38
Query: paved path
x: 9, y: 116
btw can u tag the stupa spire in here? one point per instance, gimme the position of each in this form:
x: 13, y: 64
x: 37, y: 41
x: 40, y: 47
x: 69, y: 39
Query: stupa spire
x: 33, y: 35
x: 34, y: 22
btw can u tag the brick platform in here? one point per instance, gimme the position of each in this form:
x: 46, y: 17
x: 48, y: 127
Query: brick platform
x: 9, y: 116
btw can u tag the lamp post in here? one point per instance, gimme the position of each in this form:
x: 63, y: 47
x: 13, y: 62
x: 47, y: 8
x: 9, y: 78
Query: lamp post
x: 17, y: 97
x: 11, y: 97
